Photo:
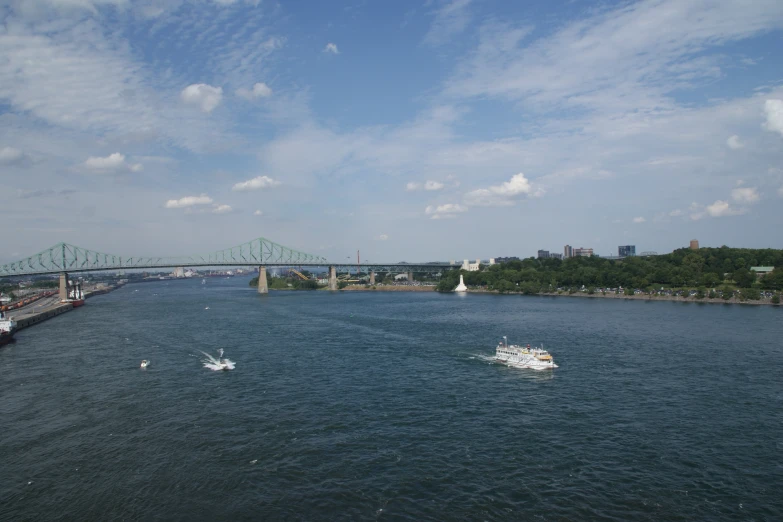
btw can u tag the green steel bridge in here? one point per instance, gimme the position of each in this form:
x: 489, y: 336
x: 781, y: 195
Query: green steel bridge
x: 64, y: 258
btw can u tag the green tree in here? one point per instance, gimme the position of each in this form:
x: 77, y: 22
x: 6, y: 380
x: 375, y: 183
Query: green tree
x: 775, y: 299
x: 628, y: 290
x: 711, y: 279
x: 743, y: 277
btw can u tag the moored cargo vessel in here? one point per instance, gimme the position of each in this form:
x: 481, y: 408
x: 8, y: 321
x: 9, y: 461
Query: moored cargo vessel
x: 75, y: 295
x: 7, y: 329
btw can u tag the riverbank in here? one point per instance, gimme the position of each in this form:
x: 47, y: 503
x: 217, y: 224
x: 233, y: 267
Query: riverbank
x: 389, y: 288
x: 635, y: 297
x: 643, y: 297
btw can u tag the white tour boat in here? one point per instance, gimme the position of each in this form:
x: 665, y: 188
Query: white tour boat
x: 523, y: 356
x: 145, y: 363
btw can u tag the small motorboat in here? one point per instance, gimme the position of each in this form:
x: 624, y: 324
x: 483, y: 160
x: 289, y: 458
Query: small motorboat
x: 206, y: 308
x: 145, y: 363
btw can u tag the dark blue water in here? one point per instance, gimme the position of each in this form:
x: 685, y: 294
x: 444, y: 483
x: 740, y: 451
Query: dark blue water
x: 357, y: 406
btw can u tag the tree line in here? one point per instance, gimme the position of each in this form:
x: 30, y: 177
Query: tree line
x: 683, y: 268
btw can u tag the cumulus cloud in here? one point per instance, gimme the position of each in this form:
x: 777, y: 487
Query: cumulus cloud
x: 112, y: 162
x: 189, y: 201
x: 734, y: 142
x: 639, y: 219
x: 259, y: 90
x: 202, y: 95
x: 449, y: 210
x: 428, y: 185
x: 10, y: 156
x: 676, y: 213
x: 260, y: 182
x: 501, y: 195
x: 383, y: 237
x: 745, y: 195
x: 720, y: 208
x: 774, y: 111
x: 222, y: 209
x: 331, y: 48
x: 258, y: 213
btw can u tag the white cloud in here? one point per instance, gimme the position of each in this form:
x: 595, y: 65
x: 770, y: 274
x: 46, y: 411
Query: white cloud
x: 734, y: 142
x: 189, y: 201
x: 331, y: 48
x: 383, y: 237
x: 429, y: 185
x: 113, y: 162
x: 718, y: 209
x: 639, y: 219
x: 676, y: 213
x: 204, y: 96
x: 501, y: 195
x: 449, y: 210
x: 774, y: 112
x: 259, y: 90
x: 110, y: 162
x: 593, y: 62
x: 10, y: 155
x: 258, y: 213
x: 260, y: 182
x: 451, y: 19
x: 222, y: 209
x: 745, y: 195
x: 780, y: 192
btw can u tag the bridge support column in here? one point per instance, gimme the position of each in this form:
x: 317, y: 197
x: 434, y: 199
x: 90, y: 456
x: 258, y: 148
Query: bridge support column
x: 263, y: 287
x: 332, y: 278
x: 410, y: 276
x: 63, y: 286
x: 372, y: 278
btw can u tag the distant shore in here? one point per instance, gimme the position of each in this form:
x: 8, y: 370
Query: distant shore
x: 388, y: 288
x: 635, y: 297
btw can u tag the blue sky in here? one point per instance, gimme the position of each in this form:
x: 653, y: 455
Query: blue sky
x: 409, y: 130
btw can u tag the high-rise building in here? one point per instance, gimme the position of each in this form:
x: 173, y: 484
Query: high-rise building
x: 626, y: 250
x: 543, y: 254
x: 568, y: 251
x: 583, y: 252
x: 694, y: 244
x: 554, y: 255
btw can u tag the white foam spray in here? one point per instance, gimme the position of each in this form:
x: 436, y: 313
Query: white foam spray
x: 219, y: 364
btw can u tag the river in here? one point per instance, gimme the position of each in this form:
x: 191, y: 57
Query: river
x: 371, y: 405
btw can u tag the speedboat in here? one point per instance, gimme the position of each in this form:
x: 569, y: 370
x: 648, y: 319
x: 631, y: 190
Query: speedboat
x: 145, y: 363
x: 524, y: 356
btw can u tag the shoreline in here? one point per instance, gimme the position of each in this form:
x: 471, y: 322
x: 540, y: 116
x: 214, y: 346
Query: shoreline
x: 642, y: 297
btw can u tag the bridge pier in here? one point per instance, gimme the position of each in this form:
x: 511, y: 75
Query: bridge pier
x: 410, y: 276
x: 263, y: 286
x: 63, y: 286
x: 372, y: 277
x: 332, y: 278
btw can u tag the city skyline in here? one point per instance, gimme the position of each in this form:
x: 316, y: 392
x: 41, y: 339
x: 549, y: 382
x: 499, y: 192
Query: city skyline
x: 410, y: 132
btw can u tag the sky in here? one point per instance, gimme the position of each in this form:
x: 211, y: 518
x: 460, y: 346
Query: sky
x: 411, y: 131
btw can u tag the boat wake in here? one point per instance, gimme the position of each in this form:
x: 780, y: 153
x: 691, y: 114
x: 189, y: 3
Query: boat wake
x: 219, y: 364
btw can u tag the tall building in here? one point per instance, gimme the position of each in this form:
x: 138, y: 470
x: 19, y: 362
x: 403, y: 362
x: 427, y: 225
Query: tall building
x: 543, y: 254
x: 583, y: 252
x: 553, y: 255
x: 694, y: 244
x: 568, y: 251
x: 626, y: 251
